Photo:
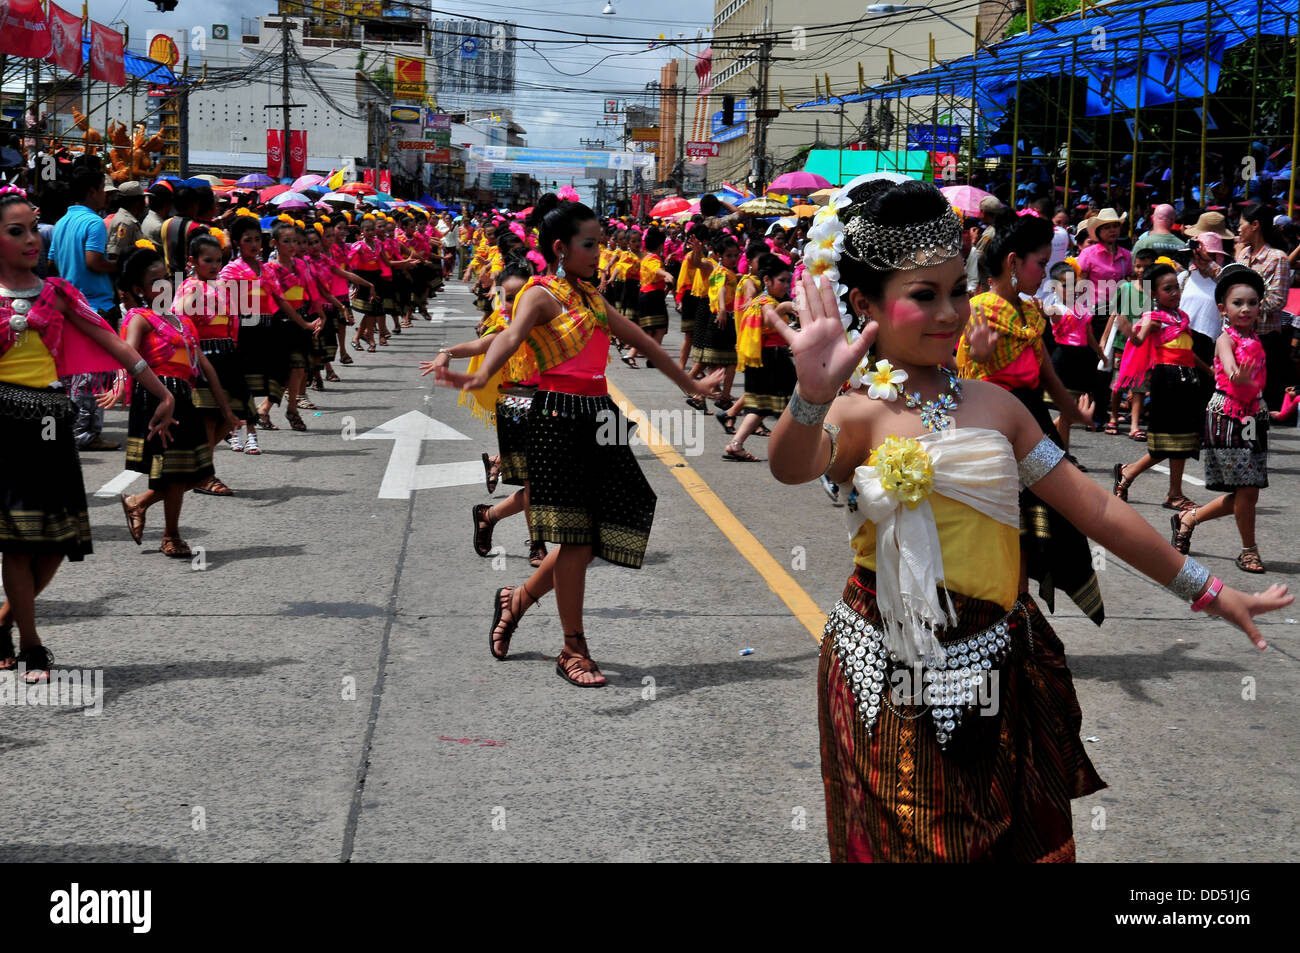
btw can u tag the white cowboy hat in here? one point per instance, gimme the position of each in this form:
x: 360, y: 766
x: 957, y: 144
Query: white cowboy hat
x: 1107, y: 216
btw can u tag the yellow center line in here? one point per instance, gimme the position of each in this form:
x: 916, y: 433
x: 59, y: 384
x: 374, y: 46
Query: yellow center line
x: 774, y: 574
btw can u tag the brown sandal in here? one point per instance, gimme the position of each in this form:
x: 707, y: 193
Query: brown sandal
x: 1181, y: 539
x: 295, y: 419
x: 1249, y: 560
x: 740, y: 454
x: 214, y: 487
x: 482, y: 529
x: 175, y: 547
x: 568, y: 665
x: 1178, y: 502
x: 1121, y: 484
x: 134, y: 520
x: 504, y: 615
x: 264, y: 421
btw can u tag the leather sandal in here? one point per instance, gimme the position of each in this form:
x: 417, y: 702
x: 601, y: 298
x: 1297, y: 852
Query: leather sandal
x: 134, y: 520
x: 37, y: 660
x: 214, y: 487
x: 568, y: 665
x: 482, y: 529
x: 536, y: 552
x: 1121, y: 485
x: 295, y: 419
x: 491, y: 473
x: 1249, y: 560
x: 1178, y: 502
x: 175, y: 547
x: 1181, y: 538
x: 503, y: 606
x: 264, y: 421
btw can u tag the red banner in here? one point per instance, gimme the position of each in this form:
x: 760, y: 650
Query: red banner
x: 23, y: 28
x: 65, y: 40
x: 297, y: 153
x: 385, y: 181
x: 107, y: 55
x: 636, y: 205
x: 274, y: 153
x: 368, y: 177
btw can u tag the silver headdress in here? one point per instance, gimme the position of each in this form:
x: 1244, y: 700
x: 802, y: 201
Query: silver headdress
x: 903, y: 247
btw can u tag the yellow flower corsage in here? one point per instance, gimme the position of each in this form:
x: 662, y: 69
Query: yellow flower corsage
x: 905, y: 469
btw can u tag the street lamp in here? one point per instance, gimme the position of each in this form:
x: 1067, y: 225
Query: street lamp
x: 884, y: 8
x: 609, y: 10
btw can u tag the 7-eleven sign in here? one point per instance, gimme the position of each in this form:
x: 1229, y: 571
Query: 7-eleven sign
x: 408, y: 78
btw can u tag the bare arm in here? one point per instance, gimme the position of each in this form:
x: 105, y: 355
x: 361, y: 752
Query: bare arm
x: 630, y: 333
x: 97, y: 263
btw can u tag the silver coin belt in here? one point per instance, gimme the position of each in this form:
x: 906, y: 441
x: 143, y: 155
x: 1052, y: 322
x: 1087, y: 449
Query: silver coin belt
x: 516, y: 408
x: 29, y: 403
x: 952, y: 683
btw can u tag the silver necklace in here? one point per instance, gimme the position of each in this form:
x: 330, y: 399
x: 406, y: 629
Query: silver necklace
x: 935, y: 413
x: 20, y: 302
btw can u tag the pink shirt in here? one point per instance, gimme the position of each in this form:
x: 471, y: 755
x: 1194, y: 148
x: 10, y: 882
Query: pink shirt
x: 1072, y: 328
x: 1097, y: 265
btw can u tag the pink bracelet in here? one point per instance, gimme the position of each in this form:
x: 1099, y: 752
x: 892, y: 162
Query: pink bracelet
x: 1209, y: 595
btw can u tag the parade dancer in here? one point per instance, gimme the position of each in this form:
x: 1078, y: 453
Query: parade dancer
x: 653, y: 281
x: 334, y: 242
x: 207, y: 300
x: 293, y: 279
x: 1162, y: 345
x: 763, y: 355
x: 913, y: 770
x: 587, y: 492
x: 1236, y: 421
x: 170, y: 344
x: 505, y: 402
x: 48, y: 331
x: 1004, y: 345
x: 366, y: 259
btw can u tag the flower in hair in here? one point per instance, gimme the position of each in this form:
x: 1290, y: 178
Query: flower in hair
x: 13, y: 190
x: 139, y: 243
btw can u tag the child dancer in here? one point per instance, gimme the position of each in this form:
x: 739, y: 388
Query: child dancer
x: 170, y: 345
x: 296, y: 286
x: 366, y: 259
x: 208, y: 302
x: 1236, y: 421
x: 715, y: 344
x: 1077, y: 351
x: 762, y: 353
x: 1162, y: 344
x: 1126, y: 309
x: 653, y: 280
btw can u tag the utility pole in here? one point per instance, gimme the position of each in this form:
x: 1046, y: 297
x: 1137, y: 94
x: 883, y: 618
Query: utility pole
x: 285, y: 104
x: 681, y: 140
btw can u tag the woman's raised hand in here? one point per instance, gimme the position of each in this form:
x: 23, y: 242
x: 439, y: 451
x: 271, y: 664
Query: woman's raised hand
x: 981, y: 339
x: 824, y: 357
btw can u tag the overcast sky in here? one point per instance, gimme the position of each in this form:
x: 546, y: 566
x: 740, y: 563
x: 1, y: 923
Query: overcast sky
x: 552, y: 118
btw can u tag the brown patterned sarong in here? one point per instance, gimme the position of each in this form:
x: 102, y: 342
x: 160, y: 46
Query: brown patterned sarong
x: 1002, y: 789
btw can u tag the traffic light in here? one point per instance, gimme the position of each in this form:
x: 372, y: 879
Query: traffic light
x: 555, y: 184
x: 728, y: 110
x: 165, y: 6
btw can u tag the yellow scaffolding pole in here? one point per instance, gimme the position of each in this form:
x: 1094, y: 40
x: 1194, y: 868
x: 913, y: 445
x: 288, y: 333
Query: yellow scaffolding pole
x: 1015, y: 131
x: 1137, y: 131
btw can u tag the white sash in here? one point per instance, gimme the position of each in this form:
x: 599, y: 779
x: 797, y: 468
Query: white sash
x: 972, y: 465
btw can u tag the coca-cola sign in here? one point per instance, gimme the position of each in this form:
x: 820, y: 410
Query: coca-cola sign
x: 274, y: 153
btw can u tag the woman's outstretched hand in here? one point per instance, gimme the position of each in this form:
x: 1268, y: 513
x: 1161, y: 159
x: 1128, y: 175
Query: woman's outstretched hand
x: 824, y: 357
x: 1240, y: 608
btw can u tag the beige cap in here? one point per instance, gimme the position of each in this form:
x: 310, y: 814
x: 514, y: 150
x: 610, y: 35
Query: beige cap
x: 130, y: 190
x: 1209, y: 222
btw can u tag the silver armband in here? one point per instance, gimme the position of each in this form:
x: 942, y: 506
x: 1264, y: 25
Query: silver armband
x: 1189, y: 582
x: 1039, y: 462
x: 833, y: 432
x: 139, y: 367
x: 810, y: 415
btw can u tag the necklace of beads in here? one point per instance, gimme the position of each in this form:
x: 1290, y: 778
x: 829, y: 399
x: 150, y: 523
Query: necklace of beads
x: 935, y: 413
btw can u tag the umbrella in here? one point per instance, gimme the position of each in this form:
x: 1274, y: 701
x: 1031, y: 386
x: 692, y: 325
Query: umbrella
x: 357, y: 188
x: 305, y: 180
x: 967, y: 198
x: 211, y: 179
x: 267, y: 194
x: 798, y: 183
x: 805, y: 211
x: 257, y: 180
x: 284, y: 197
x: 379, y: 197
x: 314, y: 191
x: 670, y: 206
x: 765, y: 207
x: 294, y: 201
x: 339, y: 198
x: 822, y: 196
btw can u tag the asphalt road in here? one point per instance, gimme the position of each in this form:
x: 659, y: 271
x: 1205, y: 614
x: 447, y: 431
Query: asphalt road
x: 318, y: 687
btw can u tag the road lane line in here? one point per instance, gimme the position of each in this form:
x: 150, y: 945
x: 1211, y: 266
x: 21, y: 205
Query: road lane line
x: 1160, y: 467
x: 115, y: 486
x: 780, y: 581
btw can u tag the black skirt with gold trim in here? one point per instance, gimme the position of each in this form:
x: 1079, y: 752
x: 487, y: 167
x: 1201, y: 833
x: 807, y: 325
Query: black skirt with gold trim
x: 43, y: 498
x: 187, y: 458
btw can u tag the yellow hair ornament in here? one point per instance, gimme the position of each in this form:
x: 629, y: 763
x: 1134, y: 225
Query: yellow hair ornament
x: 320, y: 229
x: 299, y: 223
x: 247, y: 212
x: 367, y: 217
x: 284, y: 218
x: 1164, y: 260
x: 145, y: 243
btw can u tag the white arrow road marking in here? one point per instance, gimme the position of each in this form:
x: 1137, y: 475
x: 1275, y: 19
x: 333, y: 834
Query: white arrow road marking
x: 404, y: 472
x: 115, y: 486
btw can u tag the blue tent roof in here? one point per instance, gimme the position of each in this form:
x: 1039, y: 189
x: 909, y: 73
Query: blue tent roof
x: 138, y: 66
x: 1134, y: 31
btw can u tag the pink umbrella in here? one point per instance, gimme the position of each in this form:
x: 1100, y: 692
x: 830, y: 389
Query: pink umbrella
x: 798, y: 183
x: 965, y: 197
x: 306, y: 181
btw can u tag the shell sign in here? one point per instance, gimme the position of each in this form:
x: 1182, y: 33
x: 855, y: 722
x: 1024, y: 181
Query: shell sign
x: 163, y: 49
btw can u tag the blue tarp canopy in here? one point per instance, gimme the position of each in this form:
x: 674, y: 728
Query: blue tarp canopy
x: 151, y: 71
x: 1169, y: 41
